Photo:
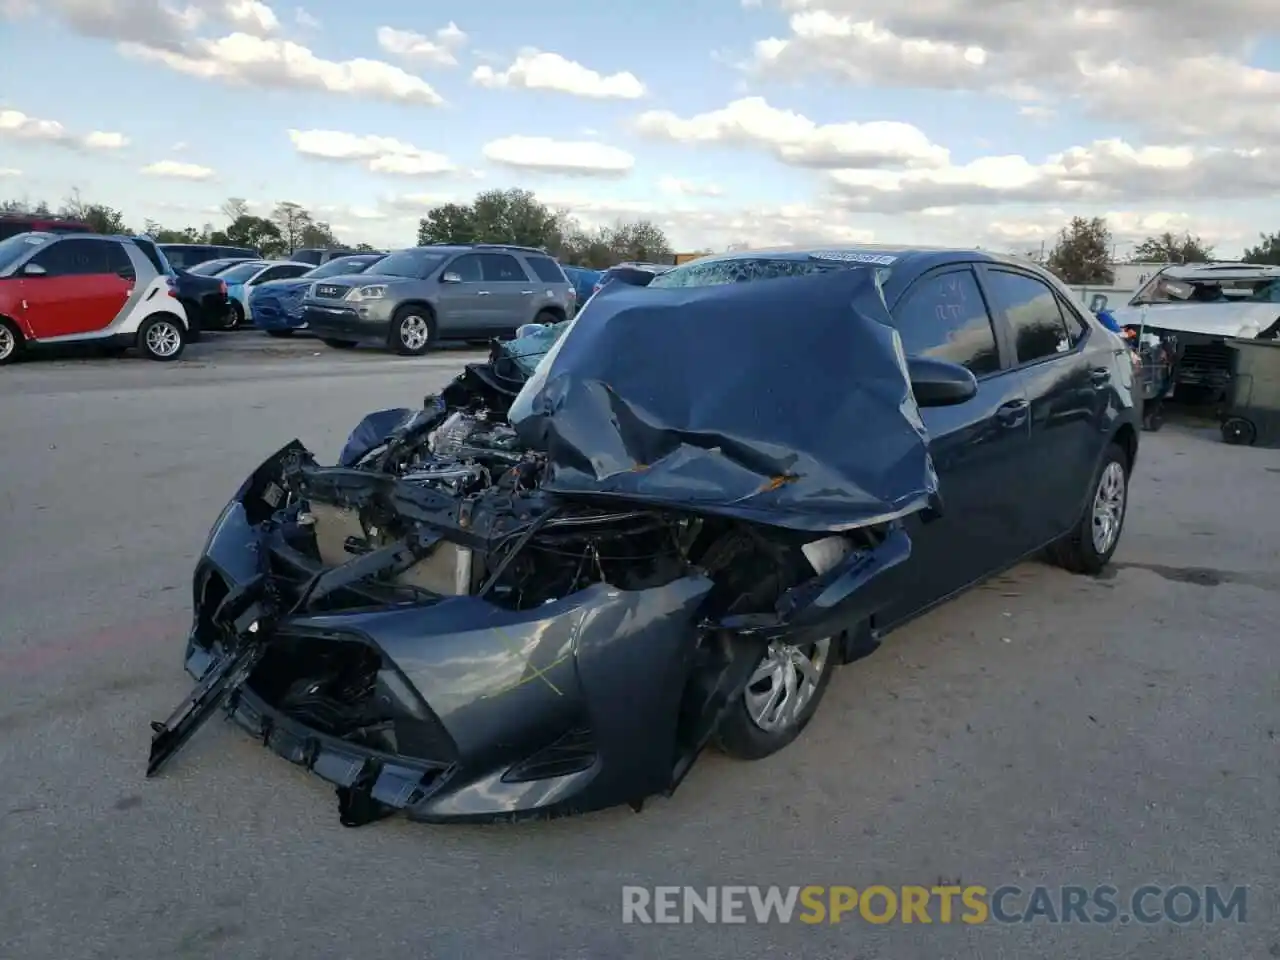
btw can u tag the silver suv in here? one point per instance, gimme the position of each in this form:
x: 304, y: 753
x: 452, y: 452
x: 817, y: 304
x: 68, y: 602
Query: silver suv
x: 414, y: 298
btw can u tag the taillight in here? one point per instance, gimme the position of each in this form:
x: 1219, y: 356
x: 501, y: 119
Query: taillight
x: 222, y: 287
x: 170, y: 289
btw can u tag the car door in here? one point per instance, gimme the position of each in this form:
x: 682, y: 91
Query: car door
x: 1066, y: 373
x: 510, y: 293
x: 78, y: 293
x: 979, y: 447
x: 462, y: 300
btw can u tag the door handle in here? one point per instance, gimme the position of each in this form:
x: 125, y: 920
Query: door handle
x: 1100, y: 376
x: 482, y: 293
x: 526, y: 293
x: 1013, y: 414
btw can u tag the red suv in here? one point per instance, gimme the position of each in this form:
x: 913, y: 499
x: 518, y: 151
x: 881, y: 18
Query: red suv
x: 60, y: 289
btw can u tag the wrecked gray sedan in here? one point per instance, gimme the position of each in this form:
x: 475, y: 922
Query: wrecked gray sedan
x: 539, y: 595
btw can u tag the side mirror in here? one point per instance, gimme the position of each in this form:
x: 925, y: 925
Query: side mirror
x: 450, y: 277
x: 34, y: 270
x: 938, y: 383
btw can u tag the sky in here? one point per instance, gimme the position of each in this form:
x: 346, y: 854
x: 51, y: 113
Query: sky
x: 760, y: 122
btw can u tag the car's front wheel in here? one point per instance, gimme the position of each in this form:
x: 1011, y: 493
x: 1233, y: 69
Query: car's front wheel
x: 235, y: 317
x: 10, y: 342
x: 1089, y: 547
x: 780, y: 699
x: 413, y: 331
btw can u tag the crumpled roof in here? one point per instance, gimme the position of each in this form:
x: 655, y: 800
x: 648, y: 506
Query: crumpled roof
x: 784, y: 401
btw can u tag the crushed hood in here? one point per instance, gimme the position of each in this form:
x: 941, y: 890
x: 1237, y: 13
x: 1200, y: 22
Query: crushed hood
x: 1245, y: 319
x: 785, y: 402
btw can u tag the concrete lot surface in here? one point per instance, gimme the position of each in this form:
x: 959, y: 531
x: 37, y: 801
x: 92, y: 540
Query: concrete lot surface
x: 1045, y: 729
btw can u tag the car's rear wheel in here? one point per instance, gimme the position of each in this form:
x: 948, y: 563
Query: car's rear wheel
x: 547, y: 318
x: 235, y: 317
x: 11, y: 342
x: 1089, y: 547
x: 162, y: 337
x: 280, y: 333
x: 413, y: 331
x: 340, y: 344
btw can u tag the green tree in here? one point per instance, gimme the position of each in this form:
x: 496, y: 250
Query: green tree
x: 250, y: 231
x: 514, y: 216
x: 449, y: 223
x: 291, y: 220
x: 638, y: 240
x: 1267, y: 250
x: 1170, y: 248
x: 317, y: 233
x: 1083, y: 252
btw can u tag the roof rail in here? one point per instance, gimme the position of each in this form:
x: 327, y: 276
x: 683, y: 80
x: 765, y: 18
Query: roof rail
x: 510, y: 246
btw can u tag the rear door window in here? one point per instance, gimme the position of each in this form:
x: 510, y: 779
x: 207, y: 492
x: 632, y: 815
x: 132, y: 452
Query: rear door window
x: 1034, y: 314
x: 944, y: 316
x: 546, y: 270
x: 501, y: 268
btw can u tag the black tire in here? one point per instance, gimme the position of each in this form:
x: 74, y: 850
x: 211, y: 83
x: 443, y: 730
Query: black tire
x: 340, y: 344
x: 760, y: 578
x: 150, y: 336
x: 235, y: 317
x: 11, y: 342
x: 1239, y: 432
x: 413, y: 331
x: 547, y: 318
x: 1077, y: 551
x: 280, y: 334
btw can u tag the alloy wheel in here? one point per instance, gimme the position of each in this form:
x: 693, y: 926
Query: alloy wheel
x: 8, y: 342
x: 1108, y: 507
x: 784, y: 683
x: 163, y: 339
x: 414, y: 332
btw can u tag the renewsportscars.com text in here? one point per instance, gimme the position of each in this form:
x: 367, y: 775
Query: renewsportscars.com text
x: 972, y: 904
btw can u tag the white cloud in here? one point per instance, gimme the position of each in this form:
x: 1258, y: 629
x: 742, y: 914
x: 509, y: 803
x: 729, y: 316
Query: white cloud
x: 551, y: 156
x: 17, y: 125
x: 179, y: 146
x: 377, y: 154
x: 251, y: 17
x: 796, y: 139
x: 535, y: 70
x: 305, y: 20
x: 1172, y: 67
x: 688, y: 188
x: 9, y: 172
x: 440, y: 50
x: 254, y: 61
x: 1106, y: 171
x: 175, y: 170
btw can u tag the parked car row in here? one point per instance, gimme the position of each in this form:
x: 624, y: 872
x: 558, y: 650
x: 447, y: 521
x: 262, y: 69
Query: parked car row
x: 407, y: 301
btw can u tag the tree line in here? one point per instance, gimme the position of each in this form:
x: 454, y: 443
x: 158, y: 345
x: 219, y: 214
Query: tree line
x: 289, y: 227
x: 1085, y: 251
x: 517, y: 216
x: 494, y: 216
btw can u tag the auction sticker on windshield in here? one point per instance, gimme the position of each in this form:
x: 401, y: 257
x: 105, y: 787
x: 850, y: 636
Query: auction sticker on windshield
x: 852, y: 256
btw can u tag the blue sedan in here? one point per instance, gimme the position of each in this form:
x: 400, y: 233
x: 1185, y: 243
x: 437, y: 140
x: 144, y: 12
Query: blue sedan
x: 276, y: 306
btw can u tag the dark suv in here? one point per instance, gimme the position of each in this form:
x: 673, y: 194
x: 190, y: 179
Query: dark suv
x: 416, y: 297
x: 183, y: 256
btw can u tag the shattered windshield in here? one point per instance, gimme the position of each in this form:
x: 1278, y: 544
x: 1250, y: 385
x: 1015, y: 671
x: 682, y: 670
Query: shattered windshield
x: 710, y: 273
x: 1225, y: 290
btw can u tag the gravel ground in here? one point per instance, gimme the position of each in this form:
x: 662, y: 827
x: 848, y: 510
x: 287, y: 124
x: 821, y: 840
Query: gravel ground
x: 1045, y: 729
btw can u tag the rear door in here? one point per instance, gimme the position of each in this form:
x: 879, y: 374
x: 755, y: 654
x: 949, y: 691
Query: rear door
x: 510, y: 293
x: 1066, y: 373
x: 80, y: 292
x: 979, y: 447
